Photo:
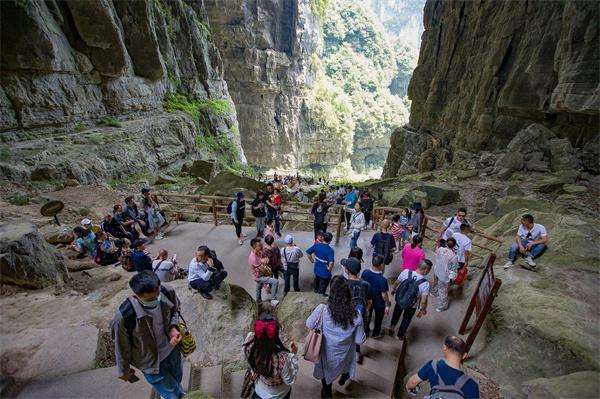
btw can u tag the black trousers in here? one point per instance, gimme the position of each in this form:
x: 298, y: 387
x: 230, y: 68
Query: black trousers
x: 379, y: 312
x: 238, y: 228
x: 321, y: 284
x: 292, y: 271
x: 327, y: 391
x: 408, y: 315
x: 367, y: 217
x: 348, y: 216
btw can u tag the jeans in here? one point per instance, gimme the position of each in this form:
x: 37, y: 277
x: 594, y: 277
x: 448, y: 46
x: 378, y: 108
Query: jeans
x: 535, y: 251
x: 238, y: 228
x: 208, y: 285
x: 272, y: 215
x: 354, y: 238
x: 168, y: 380
x: 260, y: 224
x: 273, y: 282
x: 379, y: 312
x: 408, y: 315
x: 321, y: 284
x: 292, y: 271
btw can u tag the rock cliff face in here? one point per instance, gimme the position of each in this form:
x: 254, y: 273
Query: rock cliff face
x: 489, y: 69
x: 266, y: 47
x: 70, y: 68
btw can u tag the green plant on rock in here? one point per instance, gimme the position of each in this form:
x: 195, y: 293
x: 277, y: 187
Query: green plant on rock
x: 179, y: 102
x: 204, y: 28
x: 318, y: 7
x: 109, y: 121
x: 80, y: 127
x: 219, y: 106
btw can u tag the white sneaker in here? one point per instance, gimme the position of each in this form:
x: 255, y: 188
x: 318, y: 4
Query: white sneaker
x: 508, y: 264
x: 241, y: 242
x: 274, y: 302
x: 530, y: 261
x: 159, y: 237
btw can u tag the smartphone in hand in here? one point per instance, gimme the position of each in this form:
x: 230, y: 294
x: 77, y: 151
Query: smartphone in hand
x: 133, y: 378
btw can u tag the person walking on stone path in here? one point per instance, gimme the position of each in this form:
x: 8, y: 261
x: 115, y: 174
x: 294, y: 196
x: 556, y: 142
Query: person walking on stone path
x: 236, y: 210
x: 276, y: 366
x: 206, y: 272
x: 361, y: 293
x: 452, y: 225
x: 259, y: 212
x: 272, y: 251
x: 146, y: 333
x: 273, y: 198
x: 379, y: 293
x: 323, y: 257
x: 416, y: 219
x: 290, y: 257
x: 342, y: 328
x: 412, y: 254
x: 319, y: 212
x: 411, y: 291
x: 445, y: 377
x: 383, y: 243
x: 350, y: 200
x: 445, y: 269
x: 261, y: 272
x: 463, y: 250
x: 367, y: 202
x: 357, y: 224
x: 530, y: 242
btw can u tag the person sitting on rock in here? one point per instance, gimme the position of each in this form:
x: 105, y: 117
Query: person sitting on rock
x: 146, y: 333
x: 128, y: 223
x: 140, y: 257
x: 84, y: 243
x: 131, y: 211
x: 446, y: 375
x: 261, y: 272
x: 87, y: 224
x: 165, y: 269
x: 113, y: 228
x: 107, y: 249
x: 125, y: 257
x: 204, y: 274
x: 452, y: 225
x: 531, y: 241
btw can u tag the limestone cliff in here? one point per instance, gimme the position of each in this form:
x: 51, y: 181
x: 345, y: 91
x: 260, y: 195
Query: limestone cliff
x: 83, y: 86
x: 489, y: 69
x: 266, y: 47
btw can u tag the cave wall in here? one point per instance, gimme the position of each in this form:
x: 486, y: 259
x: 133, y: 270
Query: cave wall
x: 488, y: 69
x: 68, y: 67
x: 266, y: 47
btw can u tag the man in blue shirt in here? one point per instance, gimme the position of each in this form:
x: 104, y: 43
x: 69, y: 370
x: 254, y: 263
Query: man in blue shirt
x: 322, y: 255
x: 139, y: 258
x: 379, y: 292
x: 349, y: 201
x: 446, y: 375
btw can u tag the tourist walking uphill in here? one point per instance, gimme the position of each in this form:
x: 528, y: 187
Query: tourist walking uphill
x: 273, y: 365
x: 319, y: 212
x: 383, y: 243
x: 379, y: 294
x: 452, y: 226
x: 530, y: 242
x: 146, y: 333
x: 236, y: 210
x: 259, y: 212
x: 361, y: 293
x: 463, y: 250
x: 342, y: 328
x: 413, y: 254
x: 445, y: 271
x: 322, y: 255
x: 357, y: 224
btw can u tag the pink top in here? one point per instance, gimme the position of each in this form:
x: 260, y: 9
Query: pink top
x: 254, y: 261
x: 412, y: 258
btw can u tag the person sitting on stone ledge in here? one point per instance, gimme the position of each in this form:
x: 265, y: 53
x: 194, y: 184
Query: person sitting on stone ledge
x: 531, y: 241
x: 166, y: 269
x: 206, y: 272
x: 128, y: 223
x: 140, y: 257
x: 107, y: 249
x: 113, y: 228
x: 87, y: 224
x: 84, y: 243
x: 131, y: 211
x: 153, y: 214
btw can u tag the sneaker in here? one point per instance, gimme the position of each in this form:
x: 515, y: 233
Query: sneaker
x: 439, y: 310
x: 159, y: 237
x: 378, y: 336
x: 508, y: 264
x: 274, y: 302
x: 530, y: 261
x: 528, y: 267
x: 343, y: 379
x: 390, y: 331
x: 359, y: 358
x: 240, y: 242
x: 206, y: 295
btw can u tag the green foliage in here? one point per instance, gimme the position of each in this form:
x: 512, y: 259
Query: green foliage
x: 18, y: 200
x: 109, y: 121
x: 318, y: 7
x: 5, y: 154
x: 204, y: 28
x: 218, y: 106
x: 179, y: 102
x: 80, y: 127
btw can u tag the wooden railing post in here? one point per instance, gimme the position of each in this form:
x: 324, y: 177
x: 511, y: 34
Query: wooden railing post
x: 214, y: 207
x: 339, y: 226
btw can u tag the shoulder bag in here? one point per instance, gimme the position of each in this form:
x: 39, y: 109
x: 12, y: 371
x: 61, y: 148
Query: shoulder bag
x: 314, y: 341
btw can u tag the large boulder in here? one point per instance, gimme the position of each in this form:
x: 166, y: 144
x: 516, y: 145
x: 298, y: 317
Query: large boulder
x: 582, y: 384
x: 404, y: 196
x: 227, y: 183
x: 57, y: 234
x: 440, y: 193
x: 26, y: 258
x: 202, y: 169
x: 293, y: 311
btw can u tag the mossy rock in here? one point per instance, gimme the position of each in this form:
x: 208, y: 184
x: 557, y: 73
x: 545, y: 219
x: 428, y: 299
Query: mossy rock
x: 226, y: 182
x: 403, y: 197
x: 440, y: 193
x: 583, y: 384
x: 293, y: 311
x: 202, y: 169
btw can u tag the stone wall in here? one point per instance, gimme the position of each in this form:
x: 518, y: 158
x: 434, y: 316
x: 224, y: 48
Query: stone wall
x: 70, y: 67
x: 489, y: 69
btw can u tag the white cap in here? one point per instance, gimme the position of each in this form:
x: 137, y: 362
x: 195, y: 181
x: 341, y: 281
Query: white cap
x: 85, y: 222
x: 288, y: 239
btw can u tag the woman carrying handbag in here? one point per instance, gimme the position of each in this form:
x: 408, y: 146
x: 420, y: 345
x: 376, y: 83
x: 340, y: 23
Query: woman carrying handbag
x: 342, y: 328
x: 273, y: 368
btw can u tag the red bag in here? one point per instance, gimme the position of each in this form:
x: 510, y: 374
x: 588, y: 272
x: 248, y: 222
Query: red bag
x: 461, y: 276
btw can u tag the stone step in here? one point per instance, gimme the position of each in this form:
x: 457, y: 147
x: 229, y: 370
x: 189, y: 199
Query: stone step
x: 232, y: 384
x: 185, y: 379
x: 208, y: 380
x: 391, y: 346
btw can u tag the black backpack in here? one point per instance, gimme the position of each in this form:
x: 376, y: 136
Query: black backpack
x: 408, y: 292
x: 359, y: 291
x: 383, y: 248
x: 320, y: 215
x: 217, y: 264
x: 129, y: 316
x: 230, y: 208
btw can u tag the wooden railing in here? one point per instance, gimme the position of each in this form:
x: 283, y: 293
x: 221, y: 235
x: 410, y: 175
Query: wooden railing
x: 216, y: 207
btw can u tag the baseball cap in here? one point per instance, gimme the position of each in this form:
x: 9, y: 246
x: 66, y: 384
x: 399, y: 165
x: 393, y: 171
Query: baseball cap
x: 240, y: 195
x: 288, y: 239
x: 145, y: 190
x: 352, y: 265
x: 85, y: 222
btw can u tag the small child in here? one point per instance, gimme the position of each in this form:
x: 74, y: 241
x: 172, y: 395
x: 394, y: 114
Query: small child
x: 319, y: 235
x: 404, y: 220
x: 397, y: 232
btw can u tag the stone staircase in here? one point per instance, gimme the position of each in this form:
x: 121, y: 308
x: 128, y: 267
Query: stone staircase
x: 375, y: 377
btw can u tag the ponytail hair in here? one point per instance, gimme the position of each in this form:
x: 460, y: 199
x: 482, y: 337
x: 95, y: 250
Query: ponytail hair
x: 416, y: 241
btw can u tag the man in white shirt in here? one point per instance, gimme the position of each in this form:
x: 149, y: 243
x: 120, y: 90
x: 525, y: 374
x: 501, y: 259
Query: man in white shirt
x: 530, y: 242
x: 202, y: 274
x: 421, y: 302
x: 165, y: 269
x: 463, y: 245
x: 452, y: 225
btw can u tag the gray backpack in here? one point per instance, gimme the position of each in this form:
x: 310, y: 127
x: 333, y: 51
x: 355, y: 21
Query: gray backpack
x: 444, y: 391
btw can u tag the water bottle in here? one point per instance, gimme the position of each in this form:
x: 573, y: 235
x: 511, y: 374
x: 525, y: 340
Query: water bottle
x: 386, y: 311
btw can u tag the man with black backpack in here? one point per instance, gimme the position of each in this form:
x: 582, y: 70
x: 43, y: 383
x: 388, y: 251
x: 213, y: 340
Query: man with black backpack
x: 383, y: 243
x: 411, y: 291
x: 445, y: 377
x: 319, y: 212
x: 361, y: 292
x: 236, y: 210
x: 146, y: 333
